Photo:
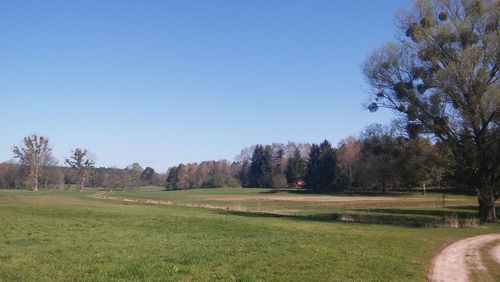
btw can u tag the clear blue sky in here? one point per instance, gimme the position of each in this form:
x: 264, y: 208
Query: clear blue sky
x: 163, y: 82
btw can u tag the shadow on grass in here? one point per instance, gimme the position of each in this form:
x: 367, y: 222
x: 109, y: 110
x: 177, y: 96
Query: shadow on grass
x: 395, y: 220
x: 471, y: 209
x: 416, y: 218
x: 461, y: 213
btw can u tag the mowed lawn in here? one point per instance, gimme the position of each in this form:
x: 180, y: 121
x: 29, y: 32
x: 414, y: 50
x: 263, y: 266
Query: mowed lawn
x: 67, y: 235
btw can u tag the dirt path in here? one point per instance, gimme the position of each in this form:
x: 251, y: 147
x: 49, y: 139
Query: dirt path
x: 495, y: 253
x: 453, y: 262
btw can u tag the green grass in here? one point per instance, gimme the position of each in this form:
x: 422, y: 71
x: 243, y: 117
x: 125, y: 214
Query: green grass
x: 66, y: 235
x: 401, y: 209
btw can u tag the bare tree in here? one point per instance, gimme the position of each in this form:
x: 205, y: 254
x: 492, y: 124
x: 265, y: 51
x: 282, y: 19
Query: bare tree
x: 81, y: 162
x: 349, y: 153
x: 35, y: 153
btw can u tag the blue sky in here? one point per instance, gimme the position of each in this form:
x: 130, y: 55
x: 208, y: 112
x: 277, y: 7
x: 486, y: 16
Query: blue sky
x: 163, y: 82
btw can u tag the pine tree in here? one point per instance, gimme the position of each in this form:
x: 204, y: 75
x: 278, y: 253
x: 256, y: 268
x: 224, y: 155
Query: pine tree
x: 327, y: 166
x: 173, y: 177
x: 312, y: 172
x: 295, y: 168
x: 321, y: 171
x: 261, y: 167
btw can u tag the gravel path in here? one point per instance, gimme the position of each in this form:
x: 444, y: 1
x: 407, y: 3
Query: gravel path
x: 453, y: 262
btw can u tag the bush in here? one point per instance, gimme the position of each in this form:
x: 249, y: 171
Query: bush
x: 279, y: 181
x: 220, y: 181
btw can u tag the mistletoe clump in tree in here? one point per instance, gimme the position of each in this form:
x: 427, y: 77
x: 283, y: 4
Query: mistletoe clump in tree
x: 442, y: 75
x: 82, y: 164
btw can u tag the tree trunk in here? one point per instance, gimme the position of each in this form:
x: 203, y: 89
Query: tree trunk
x: 444, y: 195
x: 350, y: 178
x: 36, y: 179
x: 81, y: 184
x: 487, y: 209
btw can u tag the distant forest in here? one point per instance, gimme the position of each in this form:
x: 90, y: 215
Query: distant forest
x: 381, y: 159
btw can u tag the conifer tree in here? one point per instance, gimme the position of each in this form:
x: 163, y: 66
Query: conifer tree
x: 312, y: 173
x: 328, y: 166
x: 295, y: 168
x: 261, y: 167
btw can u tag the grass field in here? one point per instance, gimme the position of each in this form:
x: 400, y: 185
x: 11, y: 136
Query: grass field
x: 221, y: 234
x: 398, y: 209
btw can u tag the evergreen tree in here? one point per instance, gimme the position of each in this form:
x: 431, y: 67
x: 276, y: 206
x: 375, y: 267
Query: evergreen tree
x: 261, y: 167
x: 295, y: 168
x: 244, y: 174
x: 312, y: 173
x: 321, y: 171
x: 278, y: 157
x: 327, y: 166
x: 172, y: 177
x: 147, y: 175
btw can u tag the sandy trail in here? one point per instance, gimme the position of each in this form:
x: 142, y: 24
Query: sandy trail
x: 495, y: 253
x: 453, y: 262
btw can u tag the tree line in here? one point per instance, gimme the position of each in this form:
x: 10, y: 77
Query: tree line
x: 382, y: 158
x: 34, y: 167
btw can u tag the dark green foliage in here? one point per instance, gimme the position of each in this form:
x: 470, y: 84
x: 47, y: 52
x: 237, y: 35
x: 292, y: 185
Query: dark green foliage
x: 147, y: 174
x: 443, y: 16
x: 380, y: 154
x: 208, y: 174
x: 427, y: 22
x: 312, y: 171
x: 328, y: 165
x: 278, y: 159
x: 268, y: 165
x: 172, y: 177
x: 321, y: 171
x: 393, y: 161
x: 220, y: 180
x: 244, y: 174
x: 261, y: 167
x: 295, y: 168
x: 279, y: 181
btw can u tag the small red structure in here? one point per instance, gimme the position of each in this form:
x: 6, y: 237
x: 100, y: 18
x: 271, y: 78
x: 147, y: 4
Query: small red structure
x: 299, y: 183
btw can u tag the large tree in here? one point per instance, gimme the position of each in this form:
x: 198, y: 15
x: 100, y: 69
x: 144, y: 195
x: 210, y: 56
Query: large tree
x: 321, y: 172
x: 261, y: 167
x: 148, y: 175
x: 35, y: 153
x: 442, y: 76
x: 82, y: 163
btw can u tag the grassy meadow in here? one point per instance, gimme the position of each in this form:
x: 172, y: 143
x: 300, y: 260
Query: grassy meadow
x: 230, y: 234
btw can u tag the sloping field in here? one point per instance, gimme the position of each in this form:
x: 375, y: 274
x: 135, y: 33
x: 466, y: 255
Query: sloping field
x: 68, y: 235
